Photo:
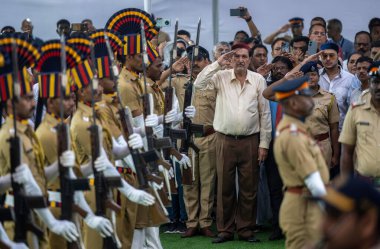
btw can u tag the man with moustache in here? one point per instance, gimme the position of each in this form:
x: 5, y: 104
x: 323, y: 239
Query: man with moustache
x: 323, y: 122
x: 301, y: 164
x: 199, y: 197
x: 363, y: 42
x: 242, y: 117
x: 360, y: 133
x: 362, y: 65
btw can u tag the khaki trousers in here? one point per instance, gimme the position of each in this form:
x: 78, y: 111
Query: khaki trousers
x: 299, y: 220
x: 199, y: 197
x: 237, y: 213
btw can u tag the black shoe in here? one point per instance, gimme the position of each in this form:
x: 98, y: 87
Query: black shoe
x: 171, y: 228
x: 276, y: 234
x: 251, y: 239
x: 181, y: 227
x: 221, y: 239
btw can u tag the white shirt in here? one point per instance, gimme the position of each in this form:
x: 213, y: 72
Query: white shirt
x: 239, y: 110
x: 340, y: 86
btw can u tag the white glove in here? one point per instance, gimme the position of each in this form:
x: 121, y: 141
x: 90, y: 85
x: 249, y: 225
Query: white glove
x: 170, y: 172
x: 135, y: 195
x: 5, y: 239
x: 158, y: 130
x: 185, y: 162
x: 156, y: 185
x: 151, y: 120
x: 63, y: 228
x: 100, y: 224
x: 190, y: 111
x: 135, y: 141
x: 24, y: 176
x: 68, y: 158
x: 102, y: 163
x: 171, y: 116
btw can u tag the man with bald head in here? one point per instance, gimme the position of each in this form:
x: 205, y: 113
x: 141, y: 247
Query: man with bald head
x: 27, y: 28
x: 243, y: 130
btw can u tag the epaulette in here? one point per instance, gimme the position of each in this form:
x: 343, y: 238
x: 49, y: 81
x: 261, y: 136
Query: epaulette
x: 358, y: 103
x: 366, y: 91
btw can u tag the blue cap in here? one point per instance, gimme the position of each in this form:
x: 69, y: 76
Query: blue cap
x: 290, y: 88
x: 330, y: 45
x: 354, y: 194
x: 311, y: 66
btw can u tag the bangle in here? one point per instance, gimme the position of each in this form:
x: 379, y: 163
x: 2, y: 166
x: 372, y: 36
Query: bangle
x: 249, y: 19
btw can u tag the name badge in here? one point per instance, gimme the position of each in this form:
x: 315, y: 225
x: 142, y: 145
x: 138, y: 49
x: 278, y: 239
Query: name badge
x: 363, y: 123
x: 86, y: 119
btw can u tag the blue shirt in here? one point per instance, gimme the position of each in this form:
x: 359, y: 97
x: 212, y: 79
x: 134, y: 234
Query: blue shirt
x: 341, y: 87
x: 273, y: 110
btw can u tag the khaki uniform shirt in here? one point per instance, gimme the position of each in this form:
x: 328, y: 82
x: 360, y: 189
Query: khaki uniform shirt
x: 297, y: 154
x: 239, y: 110
x: 204, y: 102
x: 362, y: 129
x: 131, y: 90
x: 80, y: 134
x: 158, y: 97
x: 32, y: 152
x: 325, y: 112
x: 178, y: 83
x: 47, y: 134
x: 109, y: 114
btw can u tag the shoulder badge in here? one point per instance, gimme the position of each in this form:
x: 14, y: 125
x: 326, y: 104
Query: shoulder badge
x: 357, y: 103
x: 293, y: 129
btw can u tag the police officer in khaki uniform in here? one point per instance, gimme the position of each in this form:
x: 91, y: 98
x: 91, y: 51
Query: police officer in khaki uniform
x: 81, y: 139
x: 32, y: 153
x: 361, y: 134
x: 199, y: 197
x: 301, y: 164
x: 323, y: 122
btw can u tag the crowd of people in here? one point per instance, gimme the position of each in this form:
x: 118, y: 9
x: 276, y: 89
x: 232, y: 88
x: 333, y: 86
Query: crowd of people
x: 292, y: 142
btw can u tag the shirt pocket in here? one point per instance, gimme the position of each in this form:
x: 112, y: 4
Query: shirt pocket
x: 364, y: 130
x: 321, y: 111
x: 253, y: 106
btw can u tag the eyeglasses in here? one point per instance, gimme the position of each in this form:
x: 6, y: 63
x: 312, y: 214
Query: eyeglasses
x: 318, y: 33
x: 332, y: 56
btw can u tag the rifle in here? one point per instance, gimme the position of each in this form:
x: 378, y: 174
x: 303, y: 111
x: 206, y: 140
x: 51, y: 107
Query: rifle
x: 103, y: 185
x: 140, y: 161
x: 68, y: 186
x: 191, y: 129
x: 22, y: 204
x: 174, y: 134
x: 152, y: 141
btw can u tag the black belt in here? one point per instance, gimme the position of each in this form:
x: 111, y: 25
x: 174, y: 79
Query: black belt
x: 239, y: 137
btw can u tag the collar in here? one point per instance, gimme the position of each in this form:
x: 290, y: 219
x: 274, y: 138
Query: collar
x: 130, y: 74
x: 87, y: 110
x: 323, y: 71
x: 287, y: 119
x: 22, y: 125
x: 109, y: 97
x: 233, y: 77
x: 320, y: 91
x: 53, y: 119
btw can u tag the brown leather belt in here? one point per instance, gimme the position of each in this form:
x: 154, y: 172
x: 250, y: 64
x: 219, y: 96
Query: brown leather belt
x: 321, y: 137
x: 239, y: 137
x: 300, y: 190
x: 208, y: 130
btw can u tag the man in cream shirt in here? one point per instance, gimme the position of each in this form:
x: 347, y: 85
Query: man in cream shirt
x: 243, y: 125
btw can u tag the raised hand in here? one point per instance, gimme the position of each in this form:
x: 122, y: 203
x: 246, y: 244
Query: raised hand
x: 294, y: 75
x: 284, y: 28
x: 264, y: 69
x: 226, y: 58
x: 180, y: 64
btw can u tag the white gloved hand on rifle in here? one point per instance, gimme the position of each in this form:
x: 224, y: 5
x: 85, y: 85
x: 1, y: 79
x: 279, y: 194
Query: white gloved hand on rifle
x: 67, y: 158
x: 100, y: 224
x: 185, y: 161
x: 24, y: 176
x: 135, y: 141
